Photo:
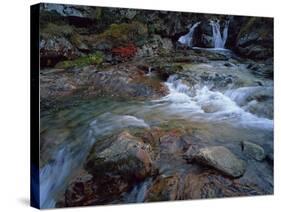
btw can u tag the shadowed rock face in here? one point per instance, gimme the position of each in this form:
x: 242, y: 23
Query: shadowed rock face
x: 255, y: 39
x: 221, y: 159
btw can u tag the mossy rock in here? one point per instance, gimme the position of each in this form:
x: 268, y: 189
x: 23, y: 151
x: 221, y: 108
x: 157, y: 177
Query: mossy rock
x: 124, y: 33
x: 91, y: 59
x: 55, y: 30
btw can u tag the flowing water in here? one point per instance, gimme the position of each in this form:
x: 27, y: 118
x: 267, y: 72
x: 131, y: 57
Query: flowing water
x: 219, y: 38
x: 187, y: 39
x: 67, y: 135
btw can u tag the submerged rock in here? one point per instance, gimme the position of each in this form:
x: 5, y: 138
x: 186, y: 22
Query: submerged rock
x: 209, y: 184
x: 221, y: 159
x: 164, y: 188
x: 253, y: 150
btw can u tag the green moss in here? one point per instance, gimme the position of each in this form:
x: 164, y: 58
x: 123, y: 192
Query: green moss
x: 75, y: 39
x: 124, y: 32
x: 92, y: 59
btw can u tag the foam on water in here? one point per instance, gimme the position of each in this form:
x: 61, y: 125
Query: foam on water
x: 208, y: 105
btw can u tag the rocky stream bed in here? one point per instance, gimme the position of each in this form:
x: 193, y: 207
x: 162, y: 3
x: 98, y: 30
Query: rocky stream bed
x: 172, y: 117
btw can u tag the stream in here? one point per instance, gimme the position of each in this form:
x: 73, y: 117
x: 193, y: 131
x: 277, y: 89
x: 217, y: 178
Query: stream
x: 222, y: 115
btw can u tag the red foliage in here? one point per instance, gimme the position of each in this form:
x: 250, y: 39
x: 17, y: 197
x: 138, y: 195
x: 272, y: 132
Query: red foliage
x: 125, y: 52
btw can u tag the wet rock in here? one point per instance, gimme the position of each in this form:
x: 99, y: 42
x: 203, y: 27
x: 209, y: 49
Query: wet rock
x: 253, y: 150
x: 125, y: 82
x: 125, y: 156
x: 172, y: 144
x: 112, y: 168
x: 164, y: 188
x: 86, y: 190
x: 221, y: 159
x: 118, y: 81
x: 209, y: 184
x: 79, y: 192
x: 191, y: 153
x: 262, y: 69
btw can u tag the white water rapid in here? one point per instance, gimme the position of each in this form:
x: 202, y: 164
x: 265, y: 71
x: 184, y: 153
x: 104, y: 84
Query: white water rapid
x: 203, y: 104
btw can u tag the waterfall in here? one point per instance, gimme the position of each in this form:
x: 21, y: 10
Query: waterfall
x: 187, y: 39
x: 219, y: 39
x: 149, y: 71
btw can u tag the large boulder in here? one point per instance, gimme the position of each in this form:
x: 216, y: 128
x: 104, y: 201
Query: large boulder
x: 221, y: 159
x: 55, y: 49
x: 125, y: 156
x: 112, y: 168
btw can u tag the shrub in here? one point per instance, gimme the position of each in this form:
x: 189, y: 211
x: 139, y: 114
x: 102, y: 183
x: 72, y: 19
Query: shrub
x: 56, y: 30
x: 91, y: 59
x: 124, y: 32
x: 125, y: 52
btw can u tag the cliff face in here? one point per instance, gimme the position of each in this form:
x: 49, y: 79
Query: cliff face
x: 255, y: 38
x: 68, y: 32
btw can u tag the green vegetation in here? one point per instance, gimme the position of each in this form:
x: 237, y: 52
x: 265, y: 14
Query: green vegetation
x: 56, y: 30
x: 98, y: 13
x: 124, y: 32
x: 75, y: 39
x: 91, y: 59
